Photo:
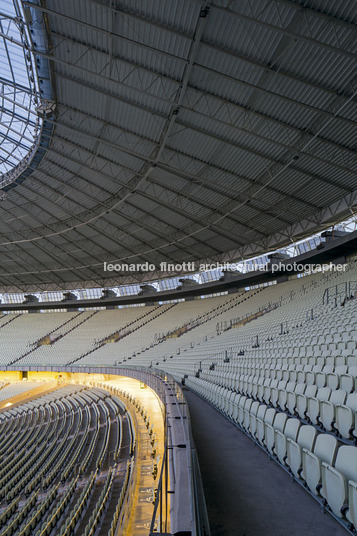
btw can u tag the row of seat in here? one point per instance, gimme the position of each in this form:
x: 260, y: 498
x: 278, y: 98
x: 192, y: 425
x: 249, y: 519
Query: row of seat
x: 20, y: 516
x: 61, y: 421
x: 38, y: 514
x: 20, y: 470
x: 98, y: 511
x: 343, y: 378
x: 24, y: 424
x: 236, y: 362
x: 342, y: 348
x: 117, y: 392
x: 330, y: 410
x: 54, y: 516
x: 9, y: 511
x: 75, y: 513
x: 118, y: 510
x: 102, y: 409
x: 316, y: 459
x: 71, y: 452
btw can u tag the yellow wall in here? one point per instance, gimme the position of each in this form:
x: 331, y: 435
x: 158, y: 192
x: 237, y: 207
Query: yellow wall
x: 42, y: 376
x: 49, y: 376
x: 10, y: 375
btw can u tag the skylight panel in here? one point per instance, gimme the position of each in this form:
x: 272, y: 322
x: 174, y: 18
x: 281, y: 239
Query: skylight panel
x: 20, y: 124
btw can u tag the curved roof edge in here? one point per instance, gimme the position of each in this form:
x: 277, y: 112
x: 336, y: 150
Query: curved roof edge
x: 337, y: 213
x: 335, y: 251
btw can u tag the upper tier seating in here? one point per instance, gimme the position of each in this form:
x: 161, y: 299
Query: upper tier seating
x: 300, y: 329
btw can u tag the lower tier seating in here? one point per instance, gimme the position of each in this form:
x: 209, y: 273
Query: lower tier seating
x: 54, y: 451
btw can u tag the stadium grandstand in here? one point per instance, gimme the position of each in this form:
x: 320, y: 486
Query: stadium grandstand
x: 178, y: 268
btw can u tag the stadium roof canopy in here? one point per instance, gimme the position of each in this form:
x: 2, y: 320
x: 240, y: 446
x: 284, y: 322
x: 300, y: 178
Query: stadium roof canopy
x: 175, y: 131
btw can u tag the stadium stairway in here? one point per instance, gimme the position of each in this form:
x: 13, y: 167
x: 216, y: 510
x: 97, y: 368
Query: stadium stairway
x: 5, y: 320
x: 247, y: 494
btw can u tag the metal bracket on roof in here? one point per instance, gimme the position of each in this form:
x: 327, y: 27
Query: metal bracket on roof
x: 46, y: 109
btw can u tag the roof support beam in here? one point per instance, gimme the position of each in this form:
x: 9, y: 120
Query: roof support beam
x: 211, y: 45
x: 241, y: 146
x: 244, y: 108
x: 81, y: 190
x: 187, y: 215
x: 319, y: 14
x: 204, y: 182
x: 190, y: 176
x: 175, y: 170
x: 101, y: 30
x: 280, y: 29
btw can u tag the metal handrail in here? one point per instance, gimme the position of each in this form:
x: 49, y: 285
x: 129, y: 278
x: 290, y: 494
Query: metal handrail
x: 345, y: 289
